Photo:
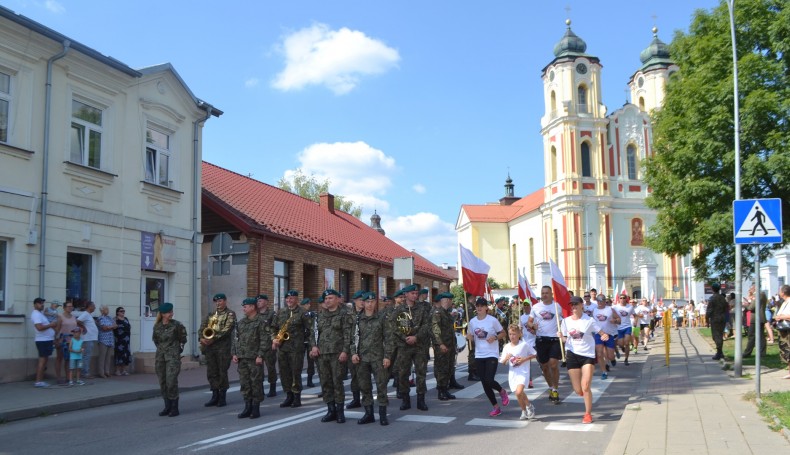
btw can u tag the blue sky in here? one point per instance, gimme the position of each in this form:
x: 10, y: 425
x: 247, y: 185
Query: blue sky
x: 411, y: 108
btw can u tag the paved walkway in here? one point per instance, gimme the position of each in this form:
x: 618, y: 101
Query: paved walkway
x: 694, y: 406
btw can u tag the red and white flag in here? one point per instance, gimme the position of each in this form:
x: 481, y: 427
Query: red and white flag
x: 524, y: 291
x: 653, y: 295
x: 560, y: 289
x: 474, y: 272
x: 624, y: 291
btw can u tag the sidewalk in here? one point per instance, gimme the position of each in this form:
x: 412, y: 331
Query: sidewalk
x: 693, y: 406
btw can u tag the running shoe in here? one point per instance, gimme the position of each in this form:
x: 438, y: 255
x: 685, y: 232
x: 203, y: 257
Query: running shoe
x: 523, y: 416
x: 607, y: 367
x: 80, y: 382
x: 530, y: 411
x: 645, y: 347
x: 505, y: 398
x: 71, y: 383
x: 626, y: 362
x: 604, y: 376
x: 553, y: 395
x: 614, y: 362
x: 41, y: 384
x: 617, y: 353
x: 495, y: 412
x: 587, y: 418
x: 530, y: 386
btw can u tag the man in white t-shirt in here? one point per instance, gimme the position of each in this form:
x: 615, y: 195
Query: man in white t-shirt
x: 544, y: 319
x: 608, y: 319
x: 625, y: 310
x: 642, y: 313
x: 589, y: 305
x: 45, y: 339
x: 91, y: 336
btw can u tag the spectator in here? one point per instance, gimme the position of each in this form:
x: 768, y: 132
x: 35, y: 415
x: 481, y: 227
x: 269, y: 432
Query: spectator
x: 769, y: 318
x: 45, y: 339
x: 91, y: 331
x: 123, y: 332
x: 106, y: 342
x: 76, y: 351
x: 66, y: 323
x: 51, y: 312
x: 754, y: 307
x: 784, y: 335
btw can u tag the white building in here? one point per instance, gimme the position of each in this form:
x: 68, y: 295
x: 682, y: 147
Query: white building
x: 99, y: 187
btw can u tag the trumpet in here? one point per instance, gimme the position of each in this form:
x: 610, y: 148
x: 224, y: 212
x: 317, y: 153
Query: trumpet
x: 211, y: 326
x: 282, y: 334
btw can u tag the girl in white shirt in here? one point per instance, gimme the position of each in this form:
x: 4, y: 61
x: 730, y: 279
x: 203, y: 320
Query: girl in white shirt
x: 517, y: 354
x: 485, y: 332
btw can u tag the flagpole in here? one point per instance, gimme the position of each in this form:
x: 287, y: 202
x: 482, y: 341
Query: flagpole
x: 559, y: 329
x: 466, y: 303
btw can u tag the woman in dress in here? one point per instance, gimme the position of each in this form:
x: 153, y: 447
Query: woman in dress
x: 106, y: 342
x: 123, y: 333
x: 517, y: 354
x: 577, y: 334
x: 485, y: 332
x: 169, y: 336
x: 66, y: 323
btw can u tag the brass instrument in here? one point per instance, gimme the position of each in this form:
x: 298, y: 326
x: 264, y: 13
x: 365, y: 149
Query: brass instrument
x: 501, y: 317
x: 282, y: 334
x: 211, y: 326
x: 405, y: 323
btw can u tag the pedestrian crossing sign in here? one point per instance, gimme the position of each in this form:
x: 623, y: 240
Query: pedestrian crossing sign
x: 757, y: 221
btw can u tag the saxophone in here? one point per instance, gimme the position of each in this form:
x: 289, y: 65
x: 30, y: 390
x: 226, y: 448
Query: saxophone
x: 282, y: 334
x: 211, y: 326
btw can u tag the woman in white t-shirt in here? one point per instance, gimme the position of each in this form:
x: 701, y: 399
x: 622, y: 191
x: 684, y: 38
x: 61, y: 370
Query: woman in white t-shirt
x: 517, y: 354
x: 577, y: 332
x: 485, y: 332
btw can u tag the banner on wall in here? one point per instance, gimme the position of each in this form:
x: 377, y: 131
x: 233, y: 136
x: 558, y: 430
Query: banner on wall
x: 158, y: 252
x: 329, y: 278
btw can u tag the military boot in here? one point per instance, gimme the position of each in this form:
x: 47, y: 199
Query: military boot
x: 289, y: 399
x: 255, y: 410
x: 247, y: 410
x: 354, y: 403
x: 406, y: 404
x: 310, y: 381
x: 166, y: 410
x: 341, y: 414
x: 331, y: 413
x: 368, y: 417
x: 297, y: 400
x: 454, y: 384
x: 214, y: 398
x: 221, y: 400
x: 174, y: 408
x: 272, y: 390
x: 448, y: 395
x: 441, y: 394
x: 383, y: 416
x: 421, y: 402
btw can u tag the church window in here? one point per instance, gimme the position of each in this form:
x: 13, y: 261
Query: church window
x: 632, y: 162
x: 642, y: 104
x: 586, y: 161
x: 553, y: 104
x: 553, y: 163
x: 582, y: 99
x: 514, y: 263
x: 531, y: 260
x: 556, y: 245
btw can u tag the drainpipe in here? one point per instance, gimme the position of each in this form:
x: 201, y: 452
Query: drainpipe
x: 42, y: 261
x: 196, y: 173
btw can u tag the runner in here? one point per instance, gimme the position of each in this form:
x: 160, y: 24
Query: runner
x: 543, y: 319
x: 642, y: 311
x: 625, y: 310
x: 485, y: 332
x: 518, y: 354
x: 609, y: 321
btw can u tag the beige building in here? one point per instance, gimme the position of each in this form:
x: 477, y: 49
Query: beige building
x: 100, y: 168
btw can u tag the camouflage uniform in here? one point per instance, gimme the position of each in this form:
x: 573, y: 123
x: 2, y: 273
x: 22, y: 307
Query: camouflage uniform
x: 443, y: 333
x: 291, y: 353
x: 310, y: 361
x: 375, y: 344
x: 218, y: 353
x: 270, y: 357
x: 416, y: 354
x: 389, y: 316
x: 334, y: 338
x: 169, y: 340
x: 252, y: 340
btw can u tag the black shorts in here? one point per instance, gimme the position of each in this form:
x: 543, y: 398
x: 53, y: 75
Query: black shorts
x: 643, y: 326
x: 576, y: 361
x: 45, y: 348
x: 547, y: 348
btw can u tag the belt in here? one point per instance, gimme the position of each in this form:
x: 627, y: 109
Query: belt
x: 546, y: 339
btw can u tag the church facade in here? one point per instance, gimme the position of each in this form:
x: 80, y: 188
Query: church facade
x: 590, y: 215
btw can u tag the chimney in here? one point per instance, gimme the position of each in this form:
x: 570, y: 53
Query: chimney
x: 327, y: 202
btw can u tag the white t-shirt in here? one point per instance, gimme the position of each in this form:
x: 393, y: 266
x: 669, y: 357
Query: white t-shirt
x: 481, y: 331
x: 92, y: 333
x: 645, y: 314
x: 579, y: 335
x: 625, y: 312
x: 544, y: 316
x: 38, y: 317
x: 604, y: 318
x: 526, y: 335
x: 522, y: 349
x: 589, y: 307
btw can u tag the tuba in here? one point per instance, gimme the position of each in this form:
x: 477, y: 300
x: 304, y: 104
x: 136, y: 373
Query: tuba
x: 282, y: 334
x: 211, y: 327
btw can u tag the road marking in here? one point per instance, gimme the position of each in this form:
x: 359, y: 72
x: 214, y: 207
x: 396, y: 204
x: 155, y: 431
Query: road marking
x: 354, y: 414
x: 425, y: 419
x: 499, y: 423
x: 560, y: 426
x: 597, y: 387
x: 476, y: 389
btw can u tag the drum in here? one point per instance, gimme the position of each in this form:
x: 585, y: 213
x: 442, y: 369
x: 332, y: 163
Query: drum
x: 460, y: 342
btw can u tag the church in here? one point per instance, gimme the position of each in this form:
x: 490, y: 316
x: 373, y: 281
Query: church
x: 590, y: 216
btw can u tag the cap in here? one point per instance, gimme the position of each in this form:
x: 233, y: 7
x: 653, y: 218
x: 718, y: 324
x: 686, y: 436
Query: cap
x: 358, y: 295
x: 305, y: 301
x: 263, y: 297
x: 423, y: 291
x: 217, y: 297
x: 39, y: 300
x: 410, y: 288
x: 481, y: 301
x: 576, y: 300
x: 292, y: 293
x: 249, y: 301
x: 330, y: 292
x: 167, y: 307
x: 501, y: 299
x: 397, y: 293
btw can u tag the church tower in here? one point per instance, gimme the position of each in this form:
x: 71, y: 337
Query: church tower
x: 648, y: 84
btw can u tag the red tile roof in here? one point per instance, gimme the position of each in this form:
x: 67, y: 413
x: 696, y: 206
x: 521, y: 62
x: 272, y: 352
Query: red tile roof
x: 265, y: 208
x: 496, y: 213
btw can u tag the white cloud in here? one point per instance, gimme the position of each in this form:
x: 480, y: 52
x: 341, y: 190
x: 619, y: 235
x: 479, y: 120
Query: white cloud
x: 54, y: 7
x: 418, y: 188
x: 334, y: 58
x: 425, y: 233
x: 251, y: 82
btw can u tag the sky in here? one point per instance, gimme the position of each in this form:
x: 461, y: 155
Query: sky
x: 410, y: 108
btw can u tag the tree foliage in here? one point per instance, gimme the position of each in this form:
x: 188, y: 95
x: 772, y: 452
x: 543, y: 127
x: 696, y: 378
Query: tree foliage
x: 309, y: 187
x: 692, y: 174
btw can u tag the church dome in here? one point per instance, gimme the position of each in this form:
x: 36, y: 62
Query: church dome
x: 570, y: 44
x: 656, y: 54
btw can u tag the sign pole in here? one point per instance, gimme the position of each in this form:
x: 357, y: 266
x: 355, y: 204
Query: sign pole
x: 758, y: 330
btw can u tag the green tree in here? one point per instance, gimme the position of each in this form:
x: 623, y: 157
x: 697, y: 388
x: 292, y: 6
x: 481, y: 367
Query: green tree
x: 459, y: 296
x: 309, y: 187
x: 692, y: 174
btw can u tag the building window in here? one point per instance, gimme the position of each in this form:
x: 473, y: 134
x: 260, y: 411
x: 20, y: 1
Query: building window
x: 282, y: 282
x: 514, y: 264
x: 641, y: 104
x: 3, y: 271
x: 586, y: 161
x: 531, y: 260
x: 344, y: 284
x: 157, y: 157
x: 631, y: 159
x: 79, y: 277
x: 556, y: 246
x: 86, y: 132
x: 553, y: 104
x: 5, y: 105
x: 582, y: 99
x: 553, y: 163
x: 367, y: 282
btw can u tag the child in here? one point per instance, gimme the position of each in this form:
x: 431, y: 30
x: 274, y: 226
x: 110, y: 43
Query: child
x: 518, y: 354
x: 75, y: 357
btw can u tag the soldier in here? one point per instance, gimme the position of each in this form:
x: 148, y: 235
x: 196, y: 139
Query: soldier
x: 330, y: 343
x: 306, y: 307
x: 216, y: 348
x: 470, y: 360
x: 358, y: 302
x: 169, y: 337
x: 399, y: 298
x: 249, y: 349
x: 293, y: 321
x: 456, y: 314
x: 411, y: 328
x: 270, y: 358
x: 444, y: 344
x: 372, y: 352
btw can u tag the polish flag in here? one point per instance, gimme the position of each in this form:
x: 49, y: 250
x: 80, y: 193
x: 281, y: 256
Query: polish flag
x: 616, y: 291
x: 524, y: 291
x: 474, y: 272
x: 624, y: 291
x: 560, y: 289
x: 653, y: 295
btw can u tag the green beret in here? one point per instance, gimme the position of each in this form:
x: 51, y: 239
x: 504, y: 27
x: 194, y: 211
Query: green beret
x: 358, y: 295
x: 501, y: 299
x: 321, y: 299
x: 370, y: 296
x: 305, y: 301
x: 385, y: 299
x: 515, y: 297
x: 397, y: 294
x: 165, y: 308
x: 219, y: 296
x: 410, y: 288
x: 330, y: 292
x: 263, y: 297
x: 249, y: 301
x: 423, y: 291
x: 446, y: 295
x: 292, y: 293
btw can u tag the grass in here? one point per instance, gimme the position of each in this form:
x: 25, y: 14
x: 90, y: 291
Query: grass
x: 771, y: 358
x: 776, y: 404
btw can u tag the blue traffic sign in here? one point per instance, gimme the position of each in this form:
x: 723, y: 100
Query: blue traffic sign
x: 757, y: 221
